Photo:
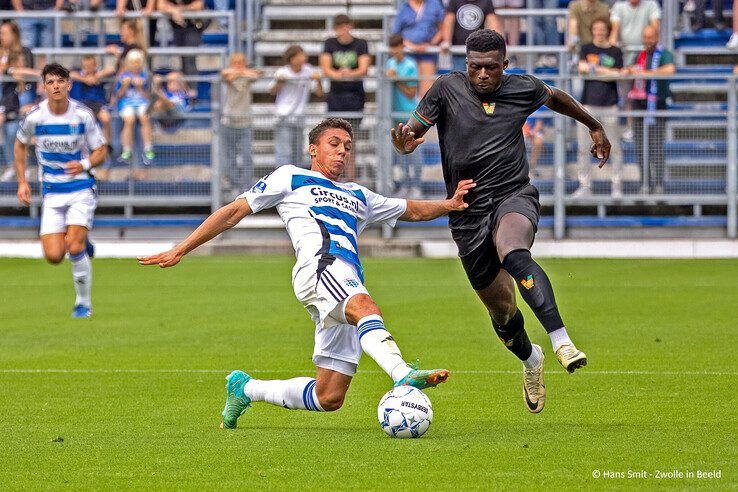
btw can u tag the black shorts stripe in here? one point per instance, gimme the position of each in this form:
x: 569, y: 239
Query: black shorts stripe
x: 335, y: 283
x: 330, y: 290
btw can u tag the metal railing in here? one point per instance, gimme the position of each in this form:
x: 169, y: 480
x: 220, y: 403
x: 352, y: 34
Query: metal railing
x: 688, y: 158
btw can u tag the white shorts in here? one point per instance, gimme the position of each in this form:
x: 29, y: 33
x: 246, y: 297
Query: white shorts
x: 132, y: 110
x: 325, y: 297
x: 60, y: 210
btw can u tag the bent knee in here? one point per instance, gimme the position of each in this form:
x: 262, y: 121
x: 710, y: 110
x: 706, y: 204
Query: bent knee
x: 502, y: 313
x: 54, y: 258
x: 331, y: 403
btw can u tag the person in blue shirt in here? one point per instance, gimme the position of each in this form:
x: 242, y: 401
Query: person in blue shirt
x: 400, y: 68
x: 171, y: 101
x: 132, y: 90
x: 419, y: 22
x: 88, y: 87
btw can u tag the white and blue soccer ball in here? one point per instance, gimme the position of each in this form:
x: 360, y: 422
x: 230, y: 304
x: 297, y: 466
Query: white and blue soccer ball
x: 405, y: 412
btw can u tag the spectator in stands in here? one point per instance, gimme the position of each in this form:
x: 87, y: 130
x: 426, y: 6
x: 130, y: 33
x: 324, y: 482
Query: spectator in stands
x: 420, y: 23
x: 145, y: 8
x: 511, y: 24
x: 187, y: 32
x: 400, y: 68
x: 629, y: 18
x: 171, y: 99
x: 699, y: 14
x: 651, y: 95
x: 13, y: 58
x: 345, y: 60
x: 534, y: 139
x: 76, y: 5
x: 37, y: 32
x: 88, y: 87
x: 600, y: 97
x: 545, y: 32
x: 582, y: 13
x: 131, y: 38
x: 732, y: 43
x: 132, y: 90
x: 293, y: 84
x: 462, y: 18
x: 235, y: 124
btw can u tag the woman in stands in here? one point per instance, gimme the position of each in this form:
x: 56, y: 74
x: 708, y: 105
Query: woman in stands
x: 419, y: 22
x: 131, y: 38
x: 14, y: 95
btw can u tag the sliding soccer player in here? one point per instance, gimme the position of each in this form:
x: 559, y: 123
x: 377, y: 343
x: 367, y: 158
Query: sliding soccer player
x: 324, y: 218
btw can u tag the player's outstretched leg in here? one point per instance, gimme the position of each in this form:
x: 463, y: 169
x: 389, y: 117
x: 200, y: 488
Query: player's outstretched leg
x: 324, y: 393
x: 378, y: 344
x: 513, y: 240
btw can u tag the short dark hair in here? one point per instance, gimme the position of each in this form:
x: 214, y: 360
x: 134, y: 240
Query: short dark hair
x: 605, y: 21
x: 55, y: 69
x: 327, y: 124
x: 341, y: 19
x: 396, y: 40
x: 486, y: 40
x: 291, y: 51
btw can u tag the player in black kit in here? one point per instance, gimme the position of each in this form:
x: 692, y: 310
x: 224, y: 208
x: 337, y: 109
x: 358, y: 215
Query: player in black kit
x: 480, y: 115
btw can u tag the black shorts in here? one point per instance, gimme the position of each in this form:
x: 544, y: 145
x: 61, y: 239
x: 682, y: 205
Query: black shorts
x: 474, y: 235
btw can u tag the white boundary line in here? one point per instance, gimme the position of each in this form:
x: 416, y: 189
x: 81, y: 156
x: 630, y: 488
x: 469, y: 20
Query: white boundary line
x: 259, y: 371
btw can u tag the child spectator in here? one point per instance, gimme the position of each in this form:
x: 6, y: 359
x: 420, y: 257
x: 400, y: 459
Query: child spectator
x: 88, y: 87
x: 235, y: 124
x: 292, y: 87
x: 132, y: 91
x: 171, y: 101
x: 534, y: 137
x: 404, y: 100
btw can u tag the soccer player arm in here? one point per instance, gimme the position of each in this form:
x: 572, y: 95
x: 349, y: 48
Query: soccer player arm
x: 407, y: 137
x: 24, y: 190
x: 421, y: 210
x: 221, y: 220
x: 563, y: 103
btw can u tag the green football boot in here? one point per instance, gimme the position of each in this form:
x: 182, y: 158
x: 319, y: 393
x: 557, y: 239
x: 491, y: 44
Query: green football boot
x: 423, y: 378
x: 236, y: 401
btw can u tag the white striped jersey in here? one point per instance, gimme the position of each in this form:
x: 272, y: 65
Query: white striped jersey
x: 322, y: 217
x: 60, y: 138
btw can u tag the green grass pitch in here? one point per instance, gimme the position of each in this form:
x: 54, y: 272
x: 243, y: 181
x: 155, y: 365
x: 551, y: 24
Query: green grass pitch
x: 131, y: 398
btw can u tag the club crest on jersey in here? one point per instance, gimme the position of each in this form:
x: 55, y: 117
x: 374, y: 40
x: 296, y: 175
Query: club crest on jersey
x: 351, y: 282
x: 259, y: 187
x: 528, y: 282
x: 489, y: 108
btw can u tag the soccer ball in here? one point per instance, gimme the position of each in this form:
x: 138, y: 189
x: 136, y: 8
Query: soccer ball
x: 405, y: 412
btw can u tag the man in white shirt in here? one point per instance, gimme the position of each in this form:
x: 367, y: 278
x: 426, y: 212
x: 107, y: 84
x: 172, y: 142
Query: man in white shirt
x: 69, y: 143
x: 292, y: 87
x: 323, y: 219
x: 629, y: 18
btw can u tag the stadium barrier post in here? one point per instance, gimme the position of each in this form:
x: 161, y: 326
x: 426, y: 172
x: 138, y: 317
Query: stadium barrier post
x: 384, y: 148
x: 731, y: 181
x: 559, y: 177
x: 215, y: 160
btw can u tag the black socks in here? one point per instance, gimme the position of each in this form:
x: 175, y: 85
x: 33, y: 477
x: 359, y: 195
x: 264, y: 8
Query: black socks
x: 535, y: 288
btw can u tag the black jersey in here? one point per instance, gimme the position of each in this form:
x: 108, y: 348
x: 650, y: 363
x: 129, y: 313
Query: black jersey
x: 481, y: 135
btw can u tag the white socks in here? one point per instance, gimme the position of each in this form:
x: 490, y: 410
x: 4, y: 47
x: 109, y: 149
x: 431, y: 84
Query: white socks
x: 378, y: 344
x: 294, y: 394
x: 82, y: 275
x: 536, y: 356
x: 558, y: 338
